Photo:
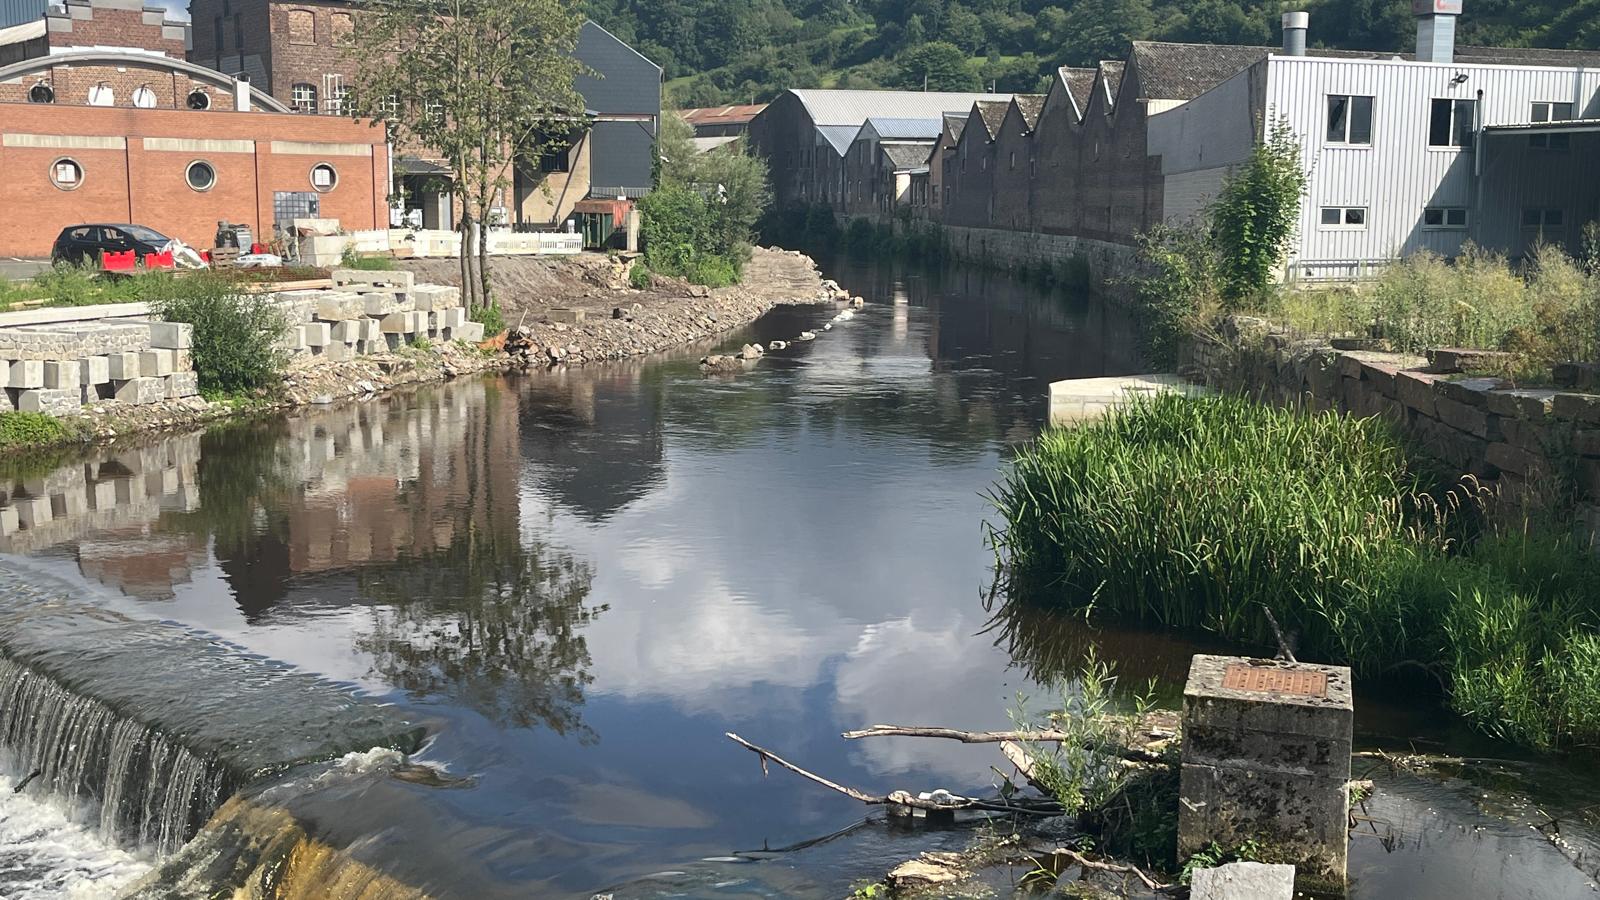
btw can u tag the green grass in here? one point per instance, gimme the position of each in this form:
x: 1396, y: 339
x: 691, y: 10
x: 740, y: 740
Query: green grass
x: 1202, y: 514
x: 350, y: 259
x: 31, y: 429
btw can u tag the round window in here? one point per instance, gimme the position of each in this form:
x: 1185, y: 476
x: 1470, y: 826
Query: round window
x: 66, y: 174
x: 200, y: 175
x: 324, y: 177
x: 41, y: 93
x: 199, y: 99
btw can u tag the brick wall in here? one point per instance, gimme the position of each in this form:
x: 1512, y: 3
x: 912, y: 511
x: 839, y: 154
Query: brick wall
x: 85, y: 24
x: 300, y: 56
x: 134, y: 163
x: 72, y: 84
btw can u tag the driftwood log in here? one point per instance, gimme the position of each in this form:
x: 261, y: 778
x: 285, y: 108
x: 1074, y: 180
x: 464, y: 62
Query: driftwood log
x: 1130, y: 754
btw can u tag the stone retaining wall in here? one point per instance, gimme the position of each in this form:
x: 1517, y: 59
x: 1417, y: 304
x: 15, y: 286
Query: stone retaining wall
x: 118, y: 354
x: 1013, y: 248
x: 1540, y: 446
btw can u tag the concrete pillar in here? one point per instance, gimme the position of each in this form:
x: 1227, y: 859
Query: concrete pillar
x: 1266, y: 757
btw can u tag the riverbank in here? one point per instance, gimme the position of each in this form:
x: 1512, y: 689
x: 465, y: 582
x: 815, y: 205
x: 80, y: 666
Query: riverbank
x: 578, y: 310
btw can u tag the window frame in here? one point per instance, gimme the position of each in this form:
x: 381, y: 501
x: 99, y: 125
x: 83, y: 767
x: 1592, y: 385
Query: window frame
x: 1454, y: 130
x: 67, y: 186
x: 1444, y: 215
x: 297, y: 103
x: 1344, y: 223
x: 1550, y: 141
x: 311, y: 176
x: 192, y: 165
x: 1348, y: 124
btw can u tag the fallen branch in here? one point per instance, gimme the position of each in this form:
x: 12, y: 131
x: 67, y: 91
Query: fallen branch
x: 1078, y: 858
x: 1131, y: 754
x: 1283, y: 645
x: 900, y: 798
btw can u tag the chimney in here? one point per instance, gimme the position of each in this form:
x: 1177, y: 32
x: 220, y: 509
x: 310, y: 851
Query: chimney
x: 241, y: 92
x: 1436, y: 29
x: 1294, y: 33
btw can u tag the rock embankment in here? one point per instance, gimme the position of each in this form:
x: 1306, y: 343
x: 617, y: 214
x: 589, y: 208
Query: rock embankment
x: 624, y: 322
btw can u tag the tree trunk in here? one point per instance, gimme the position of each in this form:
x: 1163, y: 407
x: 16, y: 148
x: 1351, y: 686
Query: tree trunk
x: 467, y: 283
x: 483, y: 265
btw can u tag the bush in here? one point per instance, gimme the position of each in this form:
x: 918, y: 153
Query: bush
x: 490, y: 317
x: 350, y: 259
x: 1202, y: 514
x: 30, y: 429
x: 639, y: 276
x: 1256, y: 214
x: 237, y: 335
x: 1175, y: 290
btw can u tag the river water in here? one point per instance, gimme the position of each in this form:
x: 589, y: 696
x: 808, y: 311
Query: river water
x: 577, y: 581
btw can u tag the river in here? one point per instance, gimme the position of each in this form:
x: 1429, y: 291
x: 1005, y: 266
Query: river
x: 574, y: 582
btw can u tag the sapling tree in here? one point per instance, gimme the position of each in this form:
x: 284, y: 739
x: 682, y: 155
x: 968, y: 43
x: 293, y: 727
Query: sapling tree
x: 478, y: 83
x: 1257, y: 212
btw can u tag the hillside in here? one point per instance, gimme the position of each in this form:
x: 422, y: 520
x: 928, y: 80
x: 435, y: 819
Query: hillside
x: 736, y: 51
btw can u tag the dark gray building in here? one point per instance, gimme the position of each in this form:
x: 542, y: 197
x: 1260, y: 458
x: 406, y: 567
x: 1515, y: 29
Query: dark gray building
x: 624, y: 99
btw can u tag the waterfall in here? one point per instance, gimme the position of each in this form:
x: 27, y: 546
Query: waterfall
x: 151, y: 791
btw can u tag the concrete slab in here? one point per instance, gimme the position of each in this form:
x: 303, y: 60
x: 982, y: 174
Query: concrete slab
x: 155, y: 363
x: 1080, y: 399
x: 1243, y: 881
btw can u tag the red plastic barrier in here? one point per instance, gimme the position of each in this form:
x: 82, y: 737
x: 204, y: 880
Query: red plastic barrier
x: 161, y: 260
x: 119, y: 262
x: 258, y: 248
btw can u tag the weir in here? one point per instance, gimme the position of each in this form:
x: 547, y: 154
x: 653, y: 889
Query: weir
x: 154, y: 725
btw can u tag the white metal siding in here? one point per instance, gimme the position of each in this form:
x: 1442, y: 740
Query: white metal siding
x: 1186, y: 194
x: 1399, y: 174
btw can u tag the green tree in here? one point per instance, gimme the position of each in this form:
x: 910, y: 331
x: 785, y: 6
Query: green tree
x: 938, y: 66
x: 482, y: 83
x: 916, y: 34
x: 1256, y: 214
x: 963, y: 28
x: 700, y: 220
x: 1104, y: 29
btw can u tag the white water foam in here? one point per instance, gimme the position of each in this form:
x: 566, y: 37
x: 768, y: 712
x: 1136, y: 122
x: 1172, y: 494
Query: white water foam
x: 46, y: 855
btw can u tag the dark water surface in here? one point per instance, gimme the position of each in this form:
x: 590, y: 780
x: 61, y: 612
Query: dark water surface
x: 581, y: 579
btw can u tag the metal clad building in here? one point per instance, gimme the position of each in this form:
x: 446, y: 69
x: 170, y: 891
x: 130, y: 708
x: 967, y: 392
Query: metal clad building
x: 626, y: 102
x: 16, y: 12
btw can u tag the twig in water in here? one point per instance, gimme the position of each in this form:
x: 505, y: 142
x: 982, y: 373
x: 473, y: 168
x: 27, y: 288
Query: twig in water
x: 24, y: 782
x: 1131, y: 754
x: 902, y: 798
x: 1085, y: 862
x: 1283, y: 645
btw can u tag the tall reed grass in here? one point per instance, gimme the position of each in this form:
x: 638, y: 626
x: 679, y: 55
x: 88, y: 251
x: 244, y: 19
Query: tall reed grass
x: 1205, y: 513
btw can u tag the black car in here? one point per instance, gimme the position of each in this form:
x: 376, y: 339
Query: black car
x: 83, y: 244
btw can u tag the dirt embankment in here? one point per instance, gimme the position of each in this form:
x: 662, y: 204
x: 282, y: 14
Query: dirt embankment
x: 581, y: 309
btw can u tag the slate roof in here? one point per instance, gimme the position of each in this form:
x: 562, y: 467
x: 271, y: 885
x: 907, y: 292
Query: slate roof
x: 1029, y: 105
x: 1173, y: 71
x: 907, y: 156
x: 1112, y: 70
x: 1079, y: 83
x: 856, y: 107
x: 992, y: 113
x: 954, y: 124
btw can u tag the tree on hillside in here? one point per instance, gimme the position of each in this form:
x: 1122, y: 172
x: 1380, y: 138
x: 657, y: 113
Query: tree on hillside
x: 1103, y: 29
x: 482, y: 83
x: 938, y: 66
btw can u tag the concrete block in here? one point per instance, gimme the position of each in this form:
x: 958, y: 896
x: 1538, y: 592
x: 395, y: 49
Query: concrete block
x: 378, y: 305
x: 1243, y: 881
x: 122, y: 366
x: 1266, y: 756
x: 26, y: 373
x: 347, y: 331
x: 103, y: 495
x: 399, y: 279
x: 10, y: 522
x: 455, y: 317
x: 395, y: 323
x: 171, y: 335
x: 7, y: 400
x: 371, y: 330
x: 94, y: 370
x: 469, y: 331
x: 340, y: 306
x: 182, y: 384
x: 54, y: 401
x: 318, y: 334
x: 62, y: 374
x: 435, y: 321
x: 139, y: 391
x: 433, y: 297
x: 155, y: 363
x: 417, y: 323
x: 337, y: 351
x: 182, y: 361
x: 33, y: 511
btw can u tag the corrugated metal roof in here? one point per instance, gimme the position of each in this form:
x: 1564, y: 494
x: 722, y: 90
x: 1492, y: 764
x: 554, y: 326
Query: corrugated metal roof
x: 721, y: 115
x: 856, y: 107
x: 16, y: 12
x: 905, y: 129
x: 839, y: 137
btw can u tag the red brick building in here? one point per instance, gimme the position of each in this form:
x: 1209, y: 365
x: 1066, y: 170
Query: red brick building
x: 181, y: 171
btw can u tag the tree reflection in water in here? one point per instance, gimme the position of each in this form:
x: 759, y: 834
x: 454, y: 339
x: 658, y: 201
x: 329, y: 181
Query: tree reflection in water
x: 490, y: 624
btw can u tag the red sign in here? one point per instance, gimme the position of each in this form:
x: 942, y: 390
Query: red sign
x: 1436, y: 7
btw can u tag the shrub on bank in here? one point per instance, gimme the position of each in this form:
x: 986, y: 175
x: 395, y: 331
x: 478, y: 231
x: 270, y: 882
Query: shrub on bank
x: 237, y: 335
x: 1203, y: 514
x: 30, y: 429
x: 490, y: 317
